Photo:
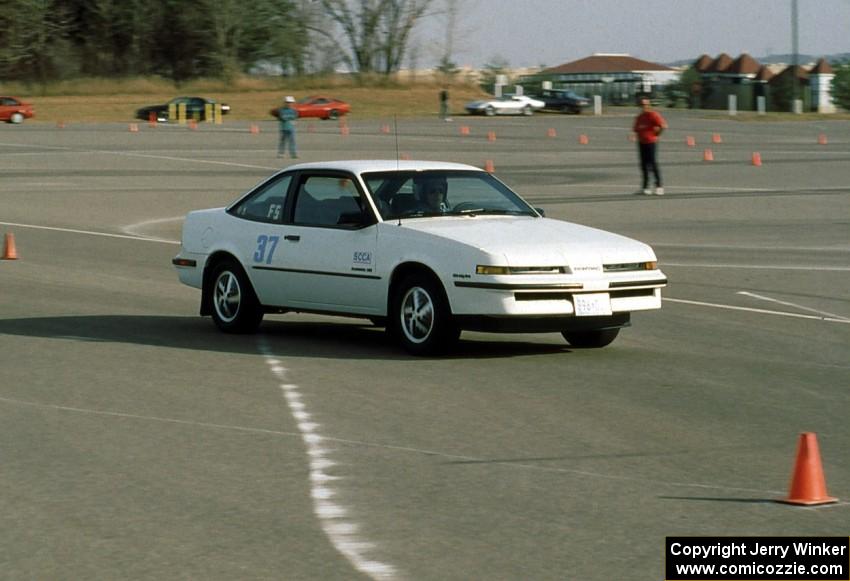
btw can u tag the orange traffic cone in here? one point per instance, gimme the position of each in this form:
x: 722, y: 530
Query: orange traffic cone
x: 489, y: 167
x: 716, y: 138
x: 464, y: 129
x: 254, y: 129
x: 344, y: 130
x: 756, y: 159
x: 491, y: 136
x: 134, y: 127
x: 385, y: 129
x: 9, y: 250
x: 690, y: 141
x: 551, y: 132
x: 583, y: 140
x: 808, y: 485
x: 822, y: 139
x: 708, y: 155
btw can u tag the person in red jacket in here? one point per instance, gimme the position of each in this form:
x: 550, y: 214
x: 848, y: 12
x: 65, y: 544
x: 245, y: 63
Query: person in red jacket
x: 648, y: 126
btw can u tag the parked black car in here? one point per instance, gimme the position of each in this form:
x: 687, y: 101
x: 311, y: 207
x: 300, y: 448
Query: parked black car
x: 563, y: 101
x: 195, y: 109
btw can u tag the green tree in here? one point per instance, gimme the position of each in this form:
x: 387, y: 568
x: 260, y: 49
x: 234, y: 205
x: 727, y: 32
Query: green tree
x: 33, y: 40
x: 841, y: 85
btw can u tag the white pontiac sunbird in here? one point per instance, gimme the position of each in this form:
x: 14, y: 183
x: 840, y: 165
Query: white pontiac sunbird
x: 426, y: 249
x: 507, y: 105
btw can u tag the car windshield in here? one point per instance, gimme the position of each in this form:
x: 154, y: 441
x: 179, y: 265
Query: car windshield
x: 419, y: 194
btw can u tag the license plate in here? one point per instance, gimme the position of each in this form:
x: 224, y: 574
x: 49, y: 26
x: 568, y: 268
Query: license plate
x: 592, y: 305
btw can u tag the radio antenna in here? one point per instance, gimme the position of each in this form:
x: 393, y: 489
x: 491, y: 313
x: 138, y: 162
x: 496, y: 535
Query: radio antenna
x: 395, y: 130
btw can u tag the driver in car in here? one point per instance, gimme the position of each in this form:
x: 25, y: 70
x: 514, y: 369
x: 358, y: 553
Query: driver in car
x: 431, y: 194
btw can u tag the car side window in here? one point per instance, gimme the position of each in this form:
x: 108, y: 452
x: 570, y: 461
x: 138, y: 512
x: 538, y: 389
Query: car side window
x: 329, y: 201
x: 266, y: 204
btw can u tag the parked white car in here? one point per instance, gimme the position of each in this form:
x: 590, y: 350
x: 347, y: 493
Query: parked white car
x: 426, y: 249
x: 507, y: 105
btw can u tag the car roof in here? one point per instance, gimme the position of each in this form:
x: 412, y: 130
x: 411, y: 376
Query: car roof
x: 359, y: 166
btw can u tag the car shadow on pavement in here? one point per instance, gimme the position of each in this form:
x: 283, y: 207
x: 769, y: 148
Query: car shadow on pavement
x: 354, y: 339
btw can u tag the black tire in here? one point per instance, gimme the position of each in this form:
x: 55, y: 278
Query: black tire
x: 420, y: 317
x: 528, y: 111
x: 334, y: 114
x: 489, y: 111
x: 590, y: 339
x: 233, y: 303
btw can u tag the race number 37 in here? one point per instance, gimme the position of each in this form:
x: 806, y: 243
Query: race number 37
x: 266, y: 245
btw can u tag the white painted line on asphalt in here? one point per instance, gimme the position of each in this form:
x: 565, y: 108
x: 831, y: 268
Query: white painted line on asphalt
x: 320, y: 479
x: 131, y: 228
x: 760, y: 311
x: 334, y: 517
x: 91, y: 233
x: 794, y: 305
x: 759, y: 266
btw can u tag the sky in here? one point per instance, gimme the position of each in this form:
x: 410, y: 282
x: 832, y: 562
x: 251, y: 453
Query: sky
x: 552, y: 32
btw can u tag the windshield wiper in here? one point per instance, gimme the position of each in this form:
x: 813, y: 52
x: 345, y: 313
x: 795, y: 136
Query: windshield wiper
x: 491, y: 211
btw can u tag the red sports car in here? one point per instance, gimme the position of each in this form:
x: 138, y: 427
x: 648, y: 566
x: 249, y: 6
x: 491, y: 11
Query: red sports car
x: 14, y: 110
x: 321, y: 107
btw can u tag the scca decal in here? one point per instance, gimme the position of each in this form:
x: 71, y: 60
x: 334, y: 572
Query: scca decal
x: 362, y: 258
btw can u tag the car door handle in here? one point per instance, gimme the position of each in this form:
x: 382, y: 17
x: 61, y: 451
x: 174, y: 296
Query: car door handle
x: 292, y: 238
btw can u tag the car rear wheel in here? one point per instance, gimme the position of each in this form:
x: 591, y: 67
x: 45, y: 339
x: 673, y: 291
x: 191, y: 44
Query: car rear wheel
x: 591, y: 339
x: 527, y: 111
x: 333, y: 114
x: 489, y: 111
x: 420, y: 317
x: 235, y: 308
x: 16, y: 118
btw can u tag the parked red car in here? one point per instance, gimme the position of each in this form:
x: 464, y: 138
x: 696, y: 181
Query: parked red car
x: 321, y: 107
x: 14, y: 110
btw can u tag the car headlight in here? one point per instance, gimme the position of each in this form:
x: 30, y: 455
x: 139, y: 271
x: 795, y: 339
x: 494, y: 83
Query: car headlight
x: 630, y: 266
x: 486, y: 269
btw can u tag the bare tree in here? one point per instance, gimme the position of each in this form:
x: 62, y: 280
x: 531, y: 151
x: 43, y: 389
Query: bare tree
x: 375, y: 33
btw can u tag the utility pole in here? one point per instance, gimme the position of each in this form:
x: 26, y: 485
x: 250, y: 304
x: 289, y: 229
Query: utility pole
x: 794, y: 57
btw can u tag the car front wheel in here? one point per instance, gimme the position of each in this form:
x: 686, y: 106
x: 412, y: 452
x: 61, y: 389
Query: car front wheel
x: 527, y: 111
x: 591, y: 339
x: 489, y: 111
x: 333, y: 114
x: 235, y: 308
x: 420, y: 317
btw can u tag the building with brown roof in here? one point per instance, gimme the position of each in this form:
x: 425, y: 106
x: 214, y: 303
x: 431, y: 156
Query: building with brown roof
x: 617, y: 78
x: 747, y: 81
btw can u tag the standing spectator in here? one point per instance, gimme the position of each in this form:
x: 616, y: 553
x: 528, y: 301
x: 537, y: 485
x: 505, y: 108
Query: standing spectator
x: 286, y: 117
x: 648, y: 126
x: 444, y: 105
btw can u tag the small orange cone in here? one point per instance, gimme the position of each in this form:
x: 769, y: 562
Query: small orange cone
x: 491, y: 136
x: 385, y: 128
x: 708, y: 155
x: 808, y: 485
x: 489, y: 167
x: 254, y: 129
x: 134, y: 127
x: 690, y: 141
x: 632, y: 137
x: 756, y: 159
x: 551, y: 132
x: 583, y: 140
x: 822, y: 139
x: 464, y: 129
x: 60, y: 124
x: 9, y: 250
x: 344, y: 130
x: 716, y: 138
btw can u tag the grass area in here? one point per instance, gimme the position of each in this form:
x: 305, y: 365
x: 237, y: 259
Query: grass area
x: 99, y: 100
x: 251, y: 98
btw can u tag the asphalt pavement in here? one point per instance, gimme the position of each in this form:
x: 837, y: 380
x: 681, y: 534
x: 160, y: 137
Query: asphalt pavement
x: 140, y: 443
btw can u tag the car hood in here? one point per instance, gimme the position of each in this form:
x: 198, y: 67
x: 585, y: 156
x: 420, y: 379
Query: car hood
x: 526, y: 241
